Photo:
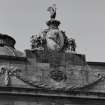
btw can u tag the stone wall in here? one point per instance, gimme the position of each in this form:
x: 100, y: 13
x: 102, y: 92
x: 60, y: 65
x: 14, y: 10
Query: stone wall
x: 34, y: 70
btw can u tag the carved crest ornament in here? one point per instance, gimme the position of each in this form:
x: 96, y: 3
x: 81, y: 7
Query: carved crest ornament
x: 58, y: 75
x: 53, y: 38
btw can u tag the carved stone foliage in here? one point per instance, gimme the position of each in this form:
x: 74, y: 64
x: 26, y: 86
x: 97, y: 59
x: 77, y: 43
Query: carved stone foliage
x: 37, y: 42
x: 71, y: 44
x: 54, y: 40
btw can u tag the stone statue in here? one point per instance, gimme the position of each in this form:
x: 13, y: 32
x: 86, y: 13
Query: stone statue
x: 52, y: 11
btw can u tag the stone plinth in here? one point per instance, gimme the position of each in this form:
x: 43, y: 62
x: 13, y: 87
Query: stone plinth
x: 57, y: 58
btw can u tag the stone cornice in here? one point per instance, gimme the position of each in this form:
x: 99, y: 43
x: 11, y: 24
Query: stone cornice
x: 96, y: 63
x: 4, y: 57
x: 49, y: 93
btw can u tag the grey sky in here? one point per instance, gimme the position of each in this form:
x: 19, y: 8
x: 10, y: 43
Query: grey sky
x: 83, y: 20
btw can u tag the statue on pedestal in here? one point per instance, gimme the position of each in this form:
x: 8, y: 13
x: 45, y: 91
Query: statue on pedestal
x: 53, y: 38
